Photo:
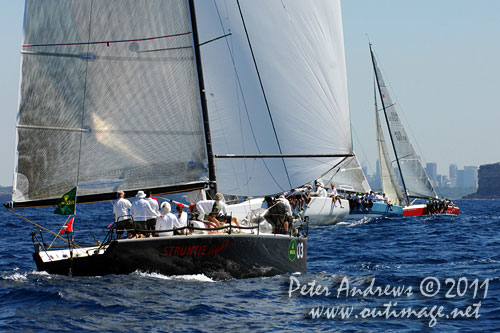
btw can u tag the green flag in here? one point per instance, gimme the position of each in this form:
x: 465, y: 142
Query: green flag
x: 66, y: 205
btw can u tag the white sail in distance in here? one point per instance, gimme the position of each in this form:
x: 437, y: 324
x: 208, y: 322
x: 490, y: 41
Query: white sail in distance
x: 275, y: 81
x: 109, y: 98
x: 388, y: 179
x: 414, y: 177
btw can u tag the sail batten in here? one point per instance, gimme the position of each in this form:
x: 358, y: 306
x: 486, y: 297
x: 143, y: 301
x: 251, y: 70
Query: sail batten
x: 109, y: 90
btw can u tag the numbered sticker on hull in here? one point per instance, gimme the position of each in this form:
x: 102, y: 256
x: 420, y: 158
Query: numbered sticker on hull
x: 295, y: 250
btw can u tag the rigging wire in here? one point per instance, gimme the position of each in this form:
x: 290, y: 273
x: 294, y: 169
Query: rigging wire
x: 24, y: 218
x: 263, y: 91
x: 362, y: 150
x: 83, y: 106
x: 245, y: 104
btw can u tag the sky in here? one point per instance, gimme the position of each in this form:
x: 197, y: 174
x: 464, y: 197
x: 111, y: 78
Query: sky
x: 440, y: 57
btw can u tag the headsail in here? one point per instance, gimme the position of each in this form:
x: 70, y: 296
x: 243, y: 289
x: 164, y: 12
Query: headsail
x: 348, y: 176
x: 414, y: 177
x: 109, y: 98
x: 275, y: 80
x: 388, y: 179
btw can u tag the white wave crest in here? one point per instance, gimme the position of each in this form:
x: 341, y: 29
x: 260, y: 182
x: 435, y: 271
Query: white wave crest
x: 364, y: 220
x: 191, y: 277
x: 15, y: 277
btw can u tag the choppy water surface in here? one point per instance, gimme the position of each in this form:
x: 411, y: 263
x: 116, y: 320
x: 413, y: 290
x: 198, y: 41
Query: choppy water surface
x: 399, y: 252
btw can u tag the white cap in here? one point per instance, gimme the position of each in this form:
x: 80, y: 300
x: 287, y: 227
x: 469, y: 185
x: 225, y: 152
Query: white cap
x: 140, y: 195
x: 165, y: 207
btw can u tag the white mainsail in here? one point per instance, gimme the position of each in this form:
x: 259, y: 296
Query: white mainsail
x: 414, y: 177
x: 109, y: 98
x: 275, y: 79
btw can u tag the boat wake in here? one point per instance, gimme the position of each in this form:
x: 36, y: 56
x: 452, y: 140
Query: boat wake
x: 17, y: 276
x: 364, y: 220
x: 192, y: 277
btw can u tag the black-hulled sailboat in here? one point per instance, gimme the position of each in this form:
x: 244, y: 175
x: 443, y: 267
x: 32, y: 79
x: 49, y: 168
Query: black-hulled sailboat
x: 113, y: 97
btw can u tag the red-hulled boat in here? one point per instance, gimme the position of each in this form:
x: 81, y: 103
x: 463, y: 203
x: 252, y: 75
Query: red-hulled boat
x: 422, y: 209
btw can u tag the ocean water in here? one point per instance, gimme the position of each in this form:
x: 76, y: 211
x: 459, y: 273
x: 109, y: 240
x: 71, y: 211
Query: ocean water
x: 425, y: 262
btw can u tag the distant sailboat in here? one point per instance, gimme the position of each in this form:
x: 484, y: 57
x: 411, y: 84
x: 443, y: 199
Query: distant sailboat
x: 415, y: 183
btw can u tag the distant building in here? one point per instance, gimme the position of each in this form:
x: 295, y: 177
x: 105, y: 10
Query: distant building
x: 470, y: 176
x: 442, y: 180
x: 431, y: 170
x: 453, y: 175
x: 460, y: 178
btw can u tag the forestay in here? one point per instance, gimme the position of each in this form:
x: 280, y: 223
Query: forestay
x: 109, y: 98
x: 275, y: 82
x: 416, y: 180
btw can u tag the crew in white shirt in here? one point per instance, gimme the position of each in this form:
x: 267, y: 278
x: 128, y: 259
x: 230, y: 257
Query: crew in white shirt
x: 387, y: 201
x: 181, y: 215
x: 215, y: 210
x: 142, y: 210
x: 151, y: 220
x: 320, y: 190
x: 287, y: 204
x: 205, y: 207
x: 121, y: 214
x: 332, y: 192
x: 378, y: 197
x: 166, y: 222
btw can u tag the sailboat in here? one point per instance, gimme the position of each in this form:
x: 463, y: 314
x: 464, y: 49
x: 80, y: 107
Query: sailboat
x: 351, y: 179
x: 113, y: 97
x: 415, y: 182
x: 279, y: 114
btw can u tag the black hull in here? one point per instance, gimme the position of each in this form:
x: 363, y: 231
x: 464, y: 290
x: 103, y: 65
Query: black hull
x: 217, y: 256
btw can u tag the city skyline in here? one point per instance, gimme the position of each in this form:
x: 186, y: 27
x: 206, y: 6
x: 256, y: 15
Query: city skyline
x: 467, y: 177
x: 440, y: 58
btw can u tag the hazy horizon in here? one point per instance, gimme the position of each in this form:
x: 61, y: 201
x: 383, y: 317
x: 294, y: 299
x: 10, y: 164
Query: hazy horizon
x: 440, y: 58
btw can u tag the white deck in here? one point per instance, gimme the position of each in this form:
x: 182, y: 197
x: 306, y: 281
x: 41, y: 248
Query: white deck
x: 321, y: 210
x: 55, y: 255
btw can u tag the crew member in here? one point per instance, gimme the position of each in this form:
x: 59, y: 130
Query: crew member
x: 121, y: 214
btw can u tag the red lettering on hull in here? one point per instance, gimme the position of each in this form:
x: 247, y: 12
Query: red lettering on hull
x: 194, y: 250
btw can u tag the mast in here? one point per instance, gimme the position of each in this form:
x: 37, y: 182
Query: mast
x: 377, y: 120
x: 204, y: 109
x: 387, y: 121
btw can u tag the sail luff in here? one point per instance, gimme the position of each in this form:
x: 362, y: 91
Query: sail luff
x: 382, y: 96
x: 203, y: 100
